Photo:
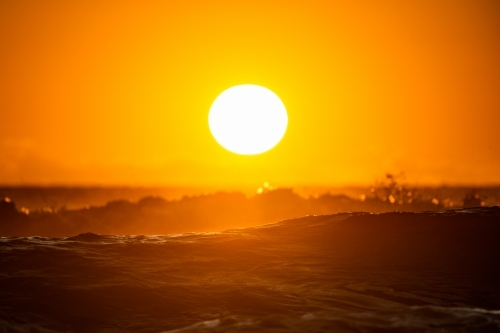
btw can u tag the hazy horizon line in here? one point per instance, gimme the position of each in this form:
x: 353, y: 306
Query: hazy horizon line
x: 237, y: 186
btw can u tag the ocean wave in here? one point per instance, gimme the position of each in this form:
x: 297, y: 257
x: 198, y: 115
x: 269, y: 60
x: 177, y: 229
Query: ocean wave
x: 348, y: 272
x: 430, y: 319
x: 87, y: 237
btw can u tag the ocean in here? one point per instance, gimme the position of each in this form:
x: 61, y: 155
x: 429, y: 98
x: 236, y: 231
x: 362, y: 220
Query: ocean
x: 348, y: 272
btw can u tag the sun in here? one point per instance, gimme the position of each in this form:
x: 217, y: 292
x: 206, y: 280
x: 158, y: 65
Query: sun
x: 248, y: 119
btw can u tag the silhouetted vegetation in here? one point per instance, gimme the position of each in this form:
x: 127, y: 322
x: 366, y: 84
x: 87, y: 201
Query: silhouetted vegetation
x: 212, y: 212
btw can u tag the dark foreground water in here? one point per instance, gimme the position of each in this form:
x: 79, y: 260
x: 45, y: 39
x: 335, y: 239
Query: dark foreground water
x: 393, y: 272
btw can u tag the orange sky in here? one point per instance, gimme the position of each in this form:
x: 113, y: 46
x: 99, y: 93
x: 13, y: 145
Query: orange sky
x: 118, y: 92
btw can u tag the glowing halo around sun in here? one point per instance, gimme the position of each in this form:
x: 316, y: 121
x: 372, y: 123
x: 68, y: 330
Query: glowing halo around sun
x: 248, y: 119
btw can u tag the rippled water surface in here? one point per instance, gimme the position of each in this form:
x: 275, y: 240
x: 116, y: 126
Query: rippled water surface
x: 393, y: 272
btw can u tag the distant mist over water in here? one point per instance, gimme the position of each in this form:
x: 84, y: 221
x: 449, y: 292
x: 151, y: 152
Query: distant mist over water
x: 74, y: 197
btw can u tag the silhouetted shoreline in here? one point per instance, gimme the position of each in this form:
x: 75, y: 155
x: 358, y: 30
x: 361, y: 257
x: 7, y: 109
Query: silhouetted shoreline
x: 211, y: 212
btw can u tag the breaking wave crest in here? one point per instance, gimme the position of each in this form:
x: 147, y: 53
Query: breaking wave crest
x: 430, y: 319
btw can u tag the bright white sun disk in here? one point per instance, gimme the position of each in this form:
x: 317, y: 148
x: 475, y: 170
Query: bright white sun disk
x: 248, y: 119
